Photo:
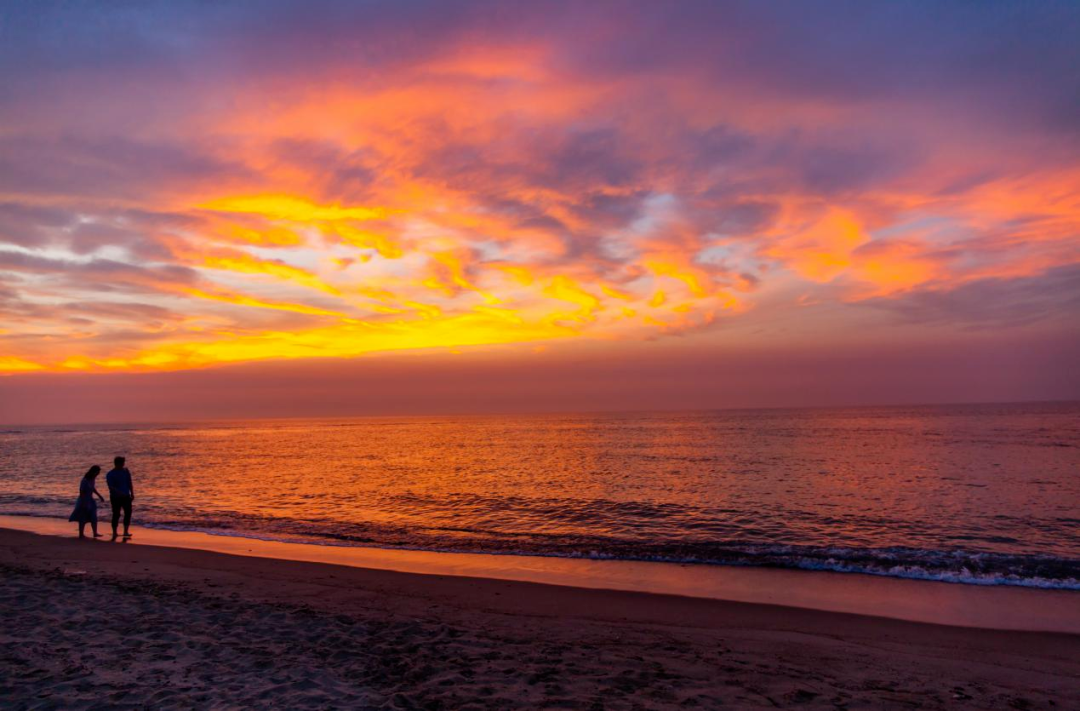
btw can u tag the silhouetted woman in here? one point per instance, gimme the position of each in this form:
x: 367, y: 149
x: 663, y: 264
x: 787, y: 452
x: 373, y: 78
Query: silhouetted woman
x: 86, y: 508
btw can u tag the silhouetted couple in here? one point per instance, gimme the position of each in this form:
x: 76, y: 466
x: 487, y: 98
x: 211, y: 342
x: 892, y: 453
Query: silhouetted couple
x: 121, y: 495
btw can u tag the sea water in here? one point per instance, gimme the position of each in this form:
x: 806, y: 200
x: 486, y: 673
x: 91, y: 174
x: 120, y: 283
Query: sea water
x: 983, y: 494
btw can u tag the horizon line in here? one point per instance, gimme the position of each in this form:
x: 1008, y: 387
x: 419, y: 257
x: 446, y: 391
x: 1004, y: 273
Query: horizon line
x: 541, y: 413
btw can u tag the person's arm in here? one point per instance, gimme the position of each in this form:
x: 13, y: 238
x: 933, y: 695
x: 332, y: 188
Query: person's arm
x: 131, y: 480
x: 99, y: 494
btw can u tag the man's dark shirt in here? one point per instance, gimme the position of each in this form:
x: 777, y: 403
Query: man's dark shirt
x: 119, y: 482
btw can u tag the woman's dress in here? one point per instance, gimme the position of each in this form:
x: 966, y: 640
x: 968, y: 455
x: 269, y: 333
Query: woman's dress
x: 85, y: 508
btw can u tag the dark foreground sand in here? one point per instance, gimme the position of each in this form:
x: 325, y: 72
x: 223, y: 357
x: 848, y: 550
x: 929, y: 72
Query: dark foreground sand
x: 93, y: 624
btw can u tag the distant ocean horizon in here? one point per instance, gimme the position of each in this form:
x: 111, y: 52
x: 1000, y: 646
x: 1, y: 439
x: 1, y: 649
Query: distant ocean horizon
x: 980, y: 494
x: 15, y: 425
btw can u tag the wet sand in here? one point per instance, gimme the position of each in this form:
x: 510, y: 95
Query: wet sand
x: 92, y: 623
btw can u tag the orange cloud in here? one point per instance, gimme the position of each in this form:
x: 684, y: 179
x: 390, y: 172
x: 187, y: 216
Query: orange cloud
x: 490, y: 190
x: 821, y: 249
x: 242, y: 300
x: 291, y: 208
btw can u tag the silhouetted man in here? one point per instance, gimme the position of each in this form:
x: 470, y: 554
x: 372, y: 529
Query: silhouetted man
x: 121, y: 494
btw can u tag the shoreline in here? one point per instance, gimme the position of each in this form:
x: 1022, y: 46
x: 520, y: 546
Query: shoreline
x: 981, y: 607
x: 900, y: 569
x: 189, y: 626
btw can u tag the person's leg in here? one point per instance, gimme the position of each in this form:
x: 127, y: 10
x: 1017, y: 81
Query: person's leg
x: 82, y: 529
x: 93, y: 526
x: 127, y: 515
x: 115, y: 501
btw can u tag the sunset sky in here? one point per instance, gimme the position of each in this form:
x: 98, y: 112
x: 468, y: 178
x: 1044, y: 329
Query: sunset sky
x: 231, y: 209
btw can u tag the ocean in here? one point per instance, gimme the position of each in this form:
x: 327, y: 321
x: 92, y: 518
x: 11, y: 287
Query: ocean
x: 977, y: 494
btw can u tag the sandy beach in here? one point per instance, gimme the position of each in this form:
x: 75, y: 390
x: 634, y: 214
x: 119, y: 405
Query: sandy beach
x: 94, y: 624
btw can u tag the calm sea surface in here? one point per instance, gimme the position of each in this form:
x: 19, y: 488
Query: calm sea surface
x: 980, y: 494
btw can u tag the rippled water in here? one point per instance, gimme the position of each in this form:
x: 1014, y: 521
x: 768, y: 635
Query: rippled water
x: 982, y: 494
